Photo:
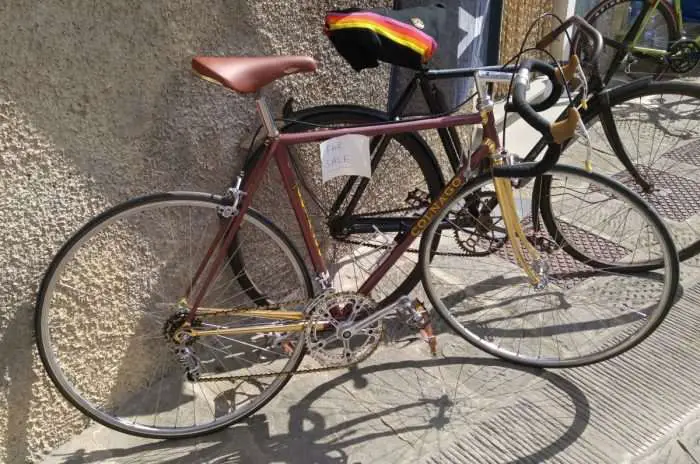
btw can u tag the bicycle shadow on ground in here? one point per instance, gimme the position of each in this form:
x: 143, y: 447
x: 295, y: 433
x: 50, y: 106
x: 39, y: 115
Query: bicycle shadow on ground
x: 665, y: 113
x: 405, y: 411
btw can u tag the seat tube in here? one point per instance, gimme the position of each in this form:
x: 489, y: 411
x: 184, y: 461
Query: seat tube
x: 289, y: 179
x: 266, y: 116
x: 217, y: 252
x: 291, y: 186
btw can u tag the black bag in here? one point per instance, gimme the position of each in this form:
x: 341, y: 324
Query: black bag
x: 405, y: 37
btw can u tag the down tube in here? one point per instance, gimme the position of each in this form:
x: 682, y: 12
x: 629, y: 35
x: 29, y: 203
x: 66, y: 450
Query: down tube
x: 422, y: 223
x: 289, y: 179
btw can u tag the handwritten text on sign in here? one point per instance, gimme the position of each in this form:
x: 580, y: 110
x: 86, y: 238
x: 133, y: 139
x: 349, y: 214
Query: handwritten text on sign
x: 347, y: 155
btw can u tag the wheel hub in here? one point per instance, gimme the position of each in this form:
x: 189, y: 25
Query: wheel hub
x: 338, y: 228
x: 172, y: 328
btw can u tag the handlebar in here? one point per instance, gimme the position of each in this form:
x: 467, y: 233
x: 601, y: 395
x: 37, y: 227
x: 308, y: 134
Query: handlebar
x: 557, y: 85
x: 555, y: 133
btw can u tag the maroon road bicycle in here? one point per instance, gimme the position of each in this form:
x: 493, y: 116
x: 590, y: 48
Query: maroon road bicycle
x: 176, y: 342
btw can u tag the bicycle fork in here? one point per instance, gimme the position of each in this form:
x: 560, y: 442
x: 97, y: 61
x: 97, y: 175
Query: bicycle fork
x: 535, y: 268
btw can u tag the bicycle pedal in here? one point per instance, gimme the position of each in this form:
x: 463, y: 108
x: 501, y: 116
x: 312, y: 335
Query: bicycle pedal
x: 429, y: 337
x: 426, y: 328
x: 412, y: 313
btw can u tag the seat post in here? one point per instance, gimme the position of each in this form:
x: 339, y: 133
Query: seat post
x: 267, y: 119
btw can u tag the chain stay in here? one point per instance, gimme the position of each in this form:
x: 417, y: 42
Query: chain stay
x: 217, y: 378
x: 224, y: 312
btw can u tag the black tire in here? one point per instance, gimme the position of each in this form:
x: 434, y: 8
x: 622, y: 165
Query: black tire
x: 466, y: 304
x: 325, y: 116
x: 602, y: 109
x: 646, y: 65
x: 71, y: 247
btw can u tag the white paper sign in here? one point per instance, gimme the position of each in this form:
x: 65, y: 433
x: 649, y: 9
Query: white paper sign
x: 347, y: 155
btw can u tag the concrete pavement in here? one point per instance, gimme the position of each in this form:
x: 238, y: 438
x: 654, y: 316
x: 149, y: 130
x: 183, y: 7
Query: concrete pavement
x: 460, y: 407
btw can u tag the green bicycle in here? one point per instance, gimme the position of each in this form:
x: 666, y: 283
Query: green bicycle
x: 641, y: 38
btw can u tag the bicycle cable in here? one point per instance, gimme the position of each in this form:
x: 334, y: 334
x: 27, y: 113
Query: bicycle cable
x: 522, y: 51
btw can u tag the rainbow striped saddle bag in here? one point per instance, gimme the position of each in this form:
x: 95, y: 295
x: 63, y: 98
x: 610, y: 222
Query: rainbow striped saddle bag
x: 406, y: 37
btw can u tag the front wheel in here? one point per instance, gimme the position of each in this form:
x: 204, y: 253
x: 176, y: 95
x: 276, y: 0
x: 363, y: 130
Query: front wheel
x: 109, y: 310
x: 583, y: 314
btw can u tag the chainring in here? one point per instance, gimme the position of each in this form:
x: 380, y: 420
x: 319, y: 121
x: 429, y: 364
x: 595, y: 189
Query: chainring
x: 330, y: 338
x: 479, y: 233
x: 683, y: 56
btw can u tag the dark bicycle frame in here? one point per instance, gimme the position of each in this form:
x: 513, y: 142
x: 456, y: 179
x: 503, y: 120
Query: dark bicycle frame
x: 423, y: 80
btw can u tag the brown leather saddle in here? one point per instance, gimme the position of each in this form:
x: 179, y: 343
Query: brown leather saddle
x: 250, y: 74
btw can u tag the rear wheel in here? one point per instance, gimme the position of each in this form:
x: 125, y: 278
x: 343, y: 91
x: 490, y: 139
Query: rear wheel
x: 109, y: 312
x: 614, y: 19
x: 356, y: 220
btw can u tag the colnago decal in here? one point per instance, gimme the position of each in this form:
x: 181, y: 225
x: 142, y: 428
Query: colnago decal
x: 437, y: 206
x: 308, y: 219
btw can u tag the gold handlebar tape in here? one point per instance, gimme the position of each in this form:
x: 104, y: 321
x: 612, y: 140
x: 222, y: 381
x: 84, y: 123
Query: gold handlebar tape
x: 569, y: 71
x: 564, y: 130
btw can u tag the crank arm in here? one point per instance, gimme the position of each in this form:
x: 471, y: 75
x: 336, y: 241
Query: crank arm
x: 378, y: 315
x: 255, y: 329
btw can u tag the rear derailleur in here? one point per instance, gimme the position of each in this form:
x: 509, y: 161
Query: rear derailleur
x: 181, y: 344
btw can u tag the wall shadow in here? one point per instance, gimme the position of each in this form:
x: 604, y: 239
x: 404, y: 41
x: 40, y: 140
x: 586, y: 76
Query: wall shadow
x: 108, y: 85
x: 16, y: 369
x: 111, y: 85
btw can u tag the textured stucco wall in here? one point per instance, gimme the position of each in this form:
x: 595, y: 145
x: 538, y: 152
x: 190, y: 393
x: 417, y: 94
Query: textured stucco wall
x: 97, y: 103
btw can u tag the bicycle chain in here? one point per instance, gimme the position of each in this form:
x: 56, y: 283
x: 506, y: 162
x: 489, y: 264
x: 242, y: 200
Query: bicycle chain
x: 274, y: 374
x: 409, y: 250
